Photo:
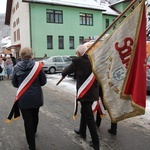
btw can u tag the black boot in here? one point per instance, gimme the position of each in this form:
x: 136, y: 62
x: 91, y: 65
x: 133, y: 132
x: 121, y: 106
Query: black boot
x: 96, y: 147
x: 113, y: 129
x: 83, y: 136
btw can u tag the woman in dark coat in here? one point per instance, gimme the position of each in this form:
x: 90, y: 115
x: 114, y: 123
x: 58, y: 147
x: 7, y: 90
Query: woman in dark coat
x: 32, y: 99
x: 82, y: 66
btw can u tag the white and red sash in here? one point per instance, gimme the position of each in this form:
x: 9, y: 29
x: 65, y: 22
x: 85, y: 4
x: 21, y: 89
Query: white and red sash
x: 28, y: 80
x: 85, y: 86
x: 82, y: 91
x: 98, y: 106
x: 22, y: 88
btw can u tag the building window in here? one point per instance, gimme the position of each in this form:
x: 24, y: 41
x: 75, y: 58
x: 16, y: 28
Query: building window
x: 15, y: 36
x: 13, y: 10
x: 49, y: 42
x: 71, y: 42
x: 18, y: 34
x: 54, y: 16
x: 81, y: 40
x: 107, y: 23
x: 17, y: 21
x: 86, y: 19
x: 14, y: 24
x: 17, y: 5
x: 61, y: 42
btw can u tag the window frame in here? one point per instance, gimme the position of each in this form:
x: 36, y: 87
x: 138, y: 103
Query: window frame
x: 49, y: 45
x: 107, y: 22
x: 54, y: 16
x: 81, y: 40
x: 71, y: 42
x: 60, y: 42
x: 86, y: 19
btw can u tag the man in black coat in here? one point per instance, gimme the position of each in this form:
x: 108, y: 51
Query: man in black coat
x: 82, y: 66
x: 113, y: 128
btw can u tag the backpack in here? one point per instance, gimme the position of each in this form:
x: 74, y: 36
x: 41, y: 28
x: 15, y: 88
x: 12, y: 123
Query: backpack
x: 1, y: 69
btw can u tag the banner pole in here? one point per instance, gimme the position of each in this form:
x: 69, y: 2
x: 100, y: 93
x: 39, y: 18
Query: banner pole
x: 59, y: 80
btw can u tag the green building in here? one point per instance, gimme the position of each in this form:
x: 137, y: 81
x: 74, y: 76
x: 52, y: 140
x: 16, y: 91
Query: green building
x: 57, y: 27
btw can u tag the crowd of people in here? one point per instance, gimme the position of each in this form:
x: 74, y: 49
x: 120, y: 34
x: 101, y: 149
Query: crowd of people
x: 28, y: 76
x: 7, y: 63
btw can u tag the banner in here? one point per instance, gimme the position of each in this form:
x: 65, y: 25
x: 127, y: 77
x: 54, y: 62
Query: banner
x: 119, y: 65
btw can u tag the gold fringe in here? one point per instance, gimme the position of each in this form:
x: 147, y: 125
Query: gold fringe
x: 110, y: 84
x: 116, y: 90
x: 8, y: 121
x: 16, y: 118
x: 103, y: 116
x: 74, y: 117
x: 110, y: 58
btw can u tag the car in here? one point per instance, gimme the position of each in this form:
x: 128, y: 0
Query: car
x: 55, y: 64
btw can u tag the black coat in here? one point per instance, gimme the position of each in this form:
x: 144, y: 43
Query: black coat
x: 83, y: 69
x: 33, y: 96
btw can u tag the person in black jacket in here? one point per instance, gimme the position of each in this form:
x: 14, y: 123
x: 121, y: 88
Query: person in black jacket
x: 82, y: 66
x: 32, y: 99
x: 13, y: 59
x: 113, y: 128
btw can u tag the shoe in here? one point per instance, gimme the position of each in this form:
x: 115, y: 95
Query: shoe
x: 30, y: 148
x: 94, y: 147
x: 113, y: 132
x: 91, y: 143
x: 97, y: 124
x: 79, y: 133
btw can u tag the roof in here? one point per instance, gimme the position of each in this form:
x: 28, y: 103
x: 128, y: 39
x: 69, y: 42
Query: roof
x: 88, y: 4
x: 120, y: 1
x: 91, y: 4
x: 108, y: 10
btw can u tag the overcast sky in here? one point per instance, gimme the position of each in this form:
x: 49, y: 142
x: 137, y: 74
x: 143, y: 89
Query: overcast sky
x: 3, y: 6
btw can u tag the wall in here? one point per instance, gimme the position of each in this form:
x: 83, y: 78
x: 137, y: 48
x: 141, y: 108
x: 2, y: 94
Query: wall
x: 70, y: 27
x: 21, y: 14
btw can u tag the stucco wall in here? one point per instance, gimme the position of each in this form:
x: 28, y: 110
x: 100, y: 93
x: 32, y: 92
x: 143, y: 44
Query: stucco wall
x: 22, y: 12
x: 70, y: 27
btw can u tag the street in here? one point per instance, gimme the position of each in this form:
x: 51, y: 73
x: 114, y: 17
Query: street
x: 56, y: 126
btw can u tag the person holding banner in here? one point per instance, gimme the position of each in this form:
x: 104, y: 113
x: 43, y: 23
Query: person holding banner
x: 87, y: 92
x: 99, y: 110
x: 28, y: 77
x: 113, y: 128
x: 100, y: 114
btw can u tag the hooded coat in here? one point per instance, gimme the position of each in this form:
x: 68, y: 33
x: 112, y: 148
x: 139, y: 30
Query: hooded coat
x: 33, y: 96
x: 82, y: 67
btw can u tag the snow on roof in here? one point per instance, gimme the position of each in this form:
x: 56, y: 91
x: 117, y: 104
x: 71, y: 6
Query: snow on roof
x: 75, y: 3
x: 91, y: 4
x: 119, y: 1
x: 5, y: 41
x: 108, y: 10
